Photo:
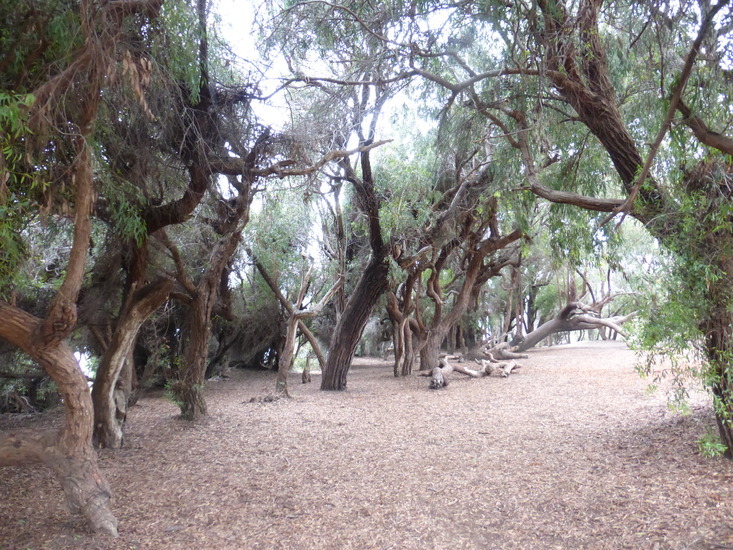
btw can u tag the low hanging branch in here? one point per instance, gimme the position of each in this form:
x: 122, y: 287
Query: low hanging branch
x: 574, y: 316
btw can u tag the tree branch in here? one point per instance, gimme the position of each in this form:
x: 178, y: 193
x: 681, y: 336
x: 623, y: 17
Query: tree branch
x: 673, y: 104
x: 704, y: 135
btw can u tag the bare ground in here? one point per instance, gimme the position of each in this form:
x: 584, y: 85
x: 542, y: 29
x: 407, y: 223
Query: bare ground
x: 571, y: 452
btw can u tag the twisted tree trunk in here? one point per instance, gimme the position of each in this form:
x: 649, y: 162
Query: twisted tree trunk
x: 371, y: 285
x: 110, y: 399
x: 68, y: 452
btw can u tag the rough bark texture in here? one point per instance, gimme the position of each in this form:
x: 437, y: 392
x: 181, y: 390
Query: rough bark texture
x: 71, y: 454
x: 189, y: 387
x: 110, y: 400
x: 371, y: 285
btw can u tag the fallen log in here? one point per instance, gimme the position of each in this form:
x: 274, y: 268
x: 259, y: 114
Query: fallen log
x: 439, y: 375
x: 504, y: 351
x: 506, y: 367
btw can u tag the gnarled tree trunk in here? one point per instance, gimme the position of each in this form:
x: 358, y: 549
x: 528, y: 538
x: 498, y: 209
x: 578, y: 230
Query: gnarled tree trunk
x: 68, y: 452
x: 371, y: 285
x: 110, y: 393
x: 188, y: 389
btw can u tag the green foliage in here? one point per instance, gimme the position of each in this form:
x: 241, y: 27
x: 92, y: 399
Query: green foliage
x: 280, y: 234
x: 177, y: 46
x: 25, y: 395
x: 405, y: 178
x: 15, y: 183
x: 36, y: 36
x: 125, y: 203
x: 710, y: 445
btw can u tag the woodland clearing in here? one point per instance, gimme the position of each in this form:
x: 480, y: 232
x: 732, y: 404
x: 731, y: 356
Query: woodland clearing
x: 572, y: 451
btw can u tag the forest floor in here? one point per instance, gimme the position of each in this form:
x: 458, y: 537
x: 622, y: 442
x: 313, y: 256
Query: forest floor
x: 570, y: 452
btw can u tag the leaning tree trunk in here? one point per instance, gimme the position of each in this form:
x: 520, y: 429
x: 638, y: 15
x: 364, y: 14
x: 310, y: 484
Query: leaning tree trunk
x: 568, y: 321
x: 68, y: 452
x: 347, y: 333
x: 718, y: 330
x: 110, y: 392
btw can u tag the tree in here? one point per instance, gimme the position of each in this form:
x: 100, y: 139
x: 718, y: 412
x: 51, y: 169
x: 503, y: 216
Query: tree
x: 371, y: 284
x: 56, y: 113
x: 297, y: 313
x: 582, y: 76
x: 281, y: 248
x: 157, y: 86
x: 562, y: 89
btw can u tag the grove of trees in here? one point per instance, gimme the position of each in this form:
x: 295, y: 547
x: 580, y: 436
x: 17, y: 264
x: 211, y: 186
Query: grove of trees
x: 448, y: 176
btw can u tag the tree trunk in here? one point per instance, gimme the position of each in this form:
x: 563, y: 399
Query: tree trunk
x: 188, y: 389
x: 69, y: 452
x: 718, y: 330
x: 306, y: 376
x: 567, y: 321
x: 371, y: 285
x: 404, y: 350
x: 543, y: 331
x: 109, y: 393
x: 286, y: 359
x: 430, y: 353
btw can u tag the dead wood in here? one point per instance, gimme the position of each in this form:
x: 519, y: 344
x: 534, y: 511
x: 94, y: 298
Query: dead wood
x: 504, y: 351
x: 439, y: 375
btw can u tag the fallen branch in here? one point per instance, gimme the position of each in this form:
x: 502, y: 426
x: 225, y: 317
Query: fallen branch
x: 504, y: 351
x: 439, y: 375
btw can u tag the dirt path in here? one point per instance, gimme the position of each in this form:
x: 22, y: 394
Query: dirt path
x: 571, y: 452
